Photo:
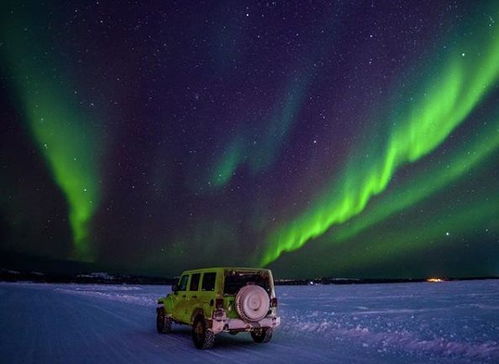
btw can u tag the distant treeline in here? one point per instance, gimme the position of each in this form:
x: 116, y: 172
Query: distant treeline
x: 315, y: 281
x: 108, y: 278
x: 95, y: 278
x: 311, y: 282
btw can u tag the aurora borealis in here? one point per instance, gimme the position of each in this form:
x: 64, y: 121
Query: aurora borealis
x: 59, y: 130
x: 343, y: 138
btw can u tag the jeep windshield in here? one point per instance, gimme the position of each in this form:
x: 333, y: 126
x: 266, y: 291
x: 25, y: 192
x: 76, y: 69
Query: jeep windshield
x: 235, y: 280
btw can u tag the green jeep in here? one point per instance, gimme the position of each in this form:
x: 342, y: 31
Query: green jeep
x: 224, y: 299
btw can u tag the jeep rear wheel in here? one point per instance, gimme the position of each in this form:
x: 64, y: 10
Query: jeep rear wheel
x: 163, y: 322
x: 262, y: 335
x: 202, y: 337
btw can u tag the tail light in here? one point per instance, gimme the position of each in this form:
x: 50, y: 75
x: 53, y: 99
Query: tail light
x: 273, y: 302
x: 219, y: 303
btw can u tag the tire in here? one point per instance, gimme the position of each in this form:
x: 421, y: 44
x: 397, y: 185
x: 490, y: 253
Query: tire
x: 262, y: 336
x: 252, y: 303
x: 163, y: 322
x: 202, y: 337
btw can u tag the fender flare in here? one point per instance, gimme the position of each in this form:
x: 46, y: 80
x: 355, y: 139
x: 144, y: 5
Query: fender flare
x: 168, y: 305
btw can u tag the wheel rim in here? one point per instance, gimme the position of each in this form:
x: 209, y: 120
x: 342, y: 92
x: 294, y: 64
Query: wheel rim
x: 252, y: 303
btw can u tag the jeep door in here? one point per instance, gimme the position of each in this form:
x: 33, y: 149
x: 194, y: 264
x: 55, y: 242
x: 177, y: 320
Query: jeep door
x: 207, y: 293
x: 180, y: 300
x: 193, y: 296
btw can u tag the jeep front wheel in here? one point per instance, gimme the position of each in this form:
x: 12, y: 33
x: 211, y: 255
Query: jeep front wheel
x: 262, y: 335
x: 163, y: 322
x: 202, y: 337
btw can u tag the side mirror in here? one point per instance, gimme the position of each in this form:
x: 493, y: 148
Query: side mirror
x: 174, y: 287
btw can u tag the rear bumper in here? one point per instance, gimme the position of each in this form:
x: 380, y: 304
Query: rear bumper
x: 218, y: 326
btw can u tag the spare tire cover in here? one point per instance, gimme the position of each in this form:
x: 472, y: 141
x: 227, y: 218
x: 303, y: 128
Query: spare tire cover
x: 252, y: 303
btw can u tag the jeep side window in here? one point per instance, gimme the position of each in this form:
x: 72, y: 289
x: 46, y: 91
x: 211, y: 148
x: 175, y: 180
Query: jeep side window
x: 182, y: 285
x: 194, y: 282
x: 209, y: 281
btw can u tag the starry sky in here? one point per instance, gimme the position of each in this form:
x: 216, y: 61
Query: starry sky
x: 339, y: 138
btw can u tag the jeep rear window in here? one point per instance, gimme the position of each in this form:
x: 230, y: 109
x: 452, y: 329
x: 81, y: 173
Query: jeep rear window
x: 234, y: 281
x: 209, y: 281
x: 194, y: 282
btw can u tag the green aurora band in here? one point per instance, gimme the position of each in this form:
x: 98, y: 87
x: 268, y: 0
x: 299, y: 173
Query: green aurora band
x: 228, y: 164
x: 66, y: 144
x: 399, y: 242
x: 261, y: 151
x: 61, y: 132
x: 451, y: 92
x: 418, y: 189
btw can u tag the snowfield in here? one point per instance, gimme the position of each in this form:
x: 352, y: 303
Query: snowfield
x: 450, y: 322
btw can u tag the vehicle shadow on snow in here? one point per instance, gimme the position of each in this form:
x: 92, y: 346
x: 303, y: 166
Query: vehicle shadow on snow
x: 222, y: 340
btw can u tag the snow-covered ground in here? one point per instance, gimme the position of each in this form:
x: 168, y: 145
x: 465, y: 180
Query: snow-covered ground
x: 447, y: 322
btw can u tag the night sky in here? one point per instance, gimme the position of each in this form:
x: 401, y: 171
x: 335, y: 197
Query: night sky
x: 344, y: 138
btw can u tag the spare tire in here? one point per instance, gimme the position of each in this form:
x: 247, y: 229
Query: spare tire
x: 252, y: 303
